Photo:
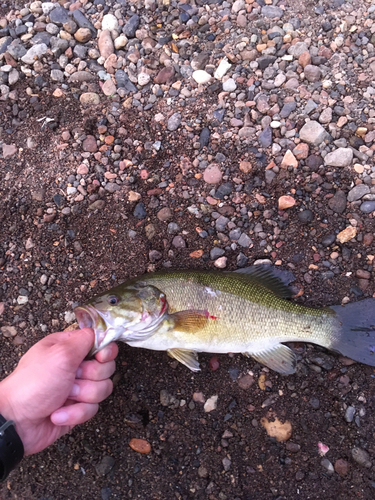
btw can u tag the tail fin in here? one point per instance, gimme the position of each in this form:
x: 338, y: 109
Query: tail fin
x: 356, y: 337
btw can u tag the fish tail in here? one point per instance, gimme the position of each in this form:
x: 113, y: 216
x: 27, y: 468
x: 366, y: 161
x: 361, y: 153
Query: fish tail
x: 356, y: 334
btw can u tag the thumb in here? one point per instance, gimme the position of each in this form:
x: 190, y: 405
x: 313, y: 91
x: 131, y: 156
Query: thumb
x: 75, y: 346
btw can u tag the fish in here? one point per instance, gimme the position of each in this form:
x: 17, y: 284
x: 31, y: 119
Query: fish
x: 247, y: 311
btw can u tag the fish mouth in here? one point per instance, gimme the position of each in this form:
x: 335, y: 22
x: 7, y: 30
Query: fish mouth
x: 85, y: 317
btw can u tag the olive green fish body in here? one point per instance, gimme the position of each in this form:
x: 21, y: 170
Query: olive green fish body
x: 185, y: 312
x: 242, y: 314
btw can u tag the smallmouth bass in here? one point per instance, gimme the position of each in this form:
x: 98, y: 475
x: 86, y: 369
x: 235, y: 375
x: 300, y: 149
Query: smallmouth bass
x: 186, y: 312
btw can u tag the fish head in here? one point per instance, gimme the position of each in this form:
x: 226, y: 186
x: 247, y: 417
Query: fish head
x: 125, y: 313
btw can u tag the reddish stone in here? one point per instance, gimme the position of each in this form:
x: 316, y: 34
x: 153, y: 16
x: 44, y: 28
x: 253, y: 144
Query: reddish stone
x: 304, y: 59
x: 154, y: 192
x: 214, y: 363
x: 341, y: 467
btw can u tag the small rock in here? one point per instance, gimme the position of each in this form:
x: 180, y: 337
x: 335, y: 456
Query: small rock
x: 144, y: 79
x: 164, y: 75
x: 109, y: 87
x: 342, y: 467
x: 174, y: 122
x: 367, y: 207
x: 286, y: 202
x: 349, y: 414
x: 358, y: 192
x: 110, y: 22
x: 272, y: 12
x: 105, y: 44
x: 9, y: 150
x: 265, y: 137
x: 312, y: 133
x: 131, y: 26
x: 97, y: 205
x: 212, y: 174
x: 178, y: 242
x: 201, y: 76
x: 244, y: 241
x: 226, y: 462
x: 338, y: 202
x: 35, y: 53
x: 105, y: 466
x: 83, y: 35
x: 306, y: 216
x: 229, y: 85
x: 198, y: 397
x: 347, y: 234
x: 361, y: 457
x: 312, y: 73
x: 140, y: 211
x: 328, y: 466
x: 8, y: 331
x: 341, y: 157
x: 245, y: 166
x: 289, y: 160
x: 89, y: 144
x: 202, y: 471
x: 245, y: 381
x: 221, y: 262
x: 164, y: 214
x: 211, y: 404
x: 140, y: 445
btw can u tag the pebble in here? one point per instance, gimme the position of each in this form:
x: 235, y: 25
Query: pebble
x: 312, y: 133
x: 347, y: 234
x: 338, y: 202
x: 9, y: 150
x: 358, y: 192
x: 342, y: 467
x: 361, y: 457
x: 341, y: 157
x: 201, y: 76
x: 211, y: 404
x: 140, y: 211
x: 229, y: 85
x: 106, y: 465
x: 245, y: 382
x: 212, y: 174
x: 327, y: 465
x: 367, y: 207
x: 285, y: 202
x: 174, y: 122
x: 349, y: 414
x: 110, y: 22
x: 164, y: 214
x: 140, y: 445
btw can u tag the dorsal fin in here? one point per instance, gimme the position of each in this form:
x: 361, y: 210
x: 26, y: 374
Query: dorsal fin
x: 275, y: 280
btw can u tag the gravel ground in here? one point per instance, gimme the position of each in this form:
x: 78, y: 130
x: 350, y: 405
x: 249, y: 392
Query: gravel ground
x: 210, y: 134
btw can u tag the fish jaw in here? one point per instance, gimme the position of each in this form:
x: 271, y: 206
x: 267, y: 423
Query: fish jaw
x: 88, y: 317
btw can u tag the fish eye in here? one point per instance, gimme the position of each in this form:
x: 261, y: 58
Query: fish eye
x: 113, y: 300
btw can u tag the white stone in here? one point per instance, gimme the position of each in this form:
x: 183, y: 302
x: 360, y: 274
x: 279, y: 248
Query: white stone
x: 229, y: 85
x: 69, y: 317
x: 211, y: 404
x: 238, y: 5
x: 201, y: 76
x: 279, y: 80
x: 110, y: 22
x: 47, y: 7
x: 22, y: 299
x: 143, y: 79
x: 341, y: 157
x: 34, y: 53
x: 312, y: 133
x: 223, y: 67
x: 13, y: 76
x: 71, y: 190
x: 120, y: 42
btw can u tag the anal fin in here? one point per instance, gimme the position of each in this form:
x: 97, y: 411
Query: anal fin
x: 279, y: 358
x: 186, y: 357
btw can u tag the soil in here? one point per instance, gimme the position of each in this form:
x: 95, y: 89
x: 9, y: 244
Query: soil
x: 86, y: 252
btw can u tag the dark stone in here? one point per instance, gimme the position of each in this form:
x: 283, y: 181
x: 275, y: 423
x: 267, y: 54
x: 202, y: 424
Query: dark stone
x: 223, y: 190
x: 306, y: 216
x: 59, y: 16
x: 106, y: 493
x: 59, y: 200
x: 241, y: 260
x: 265, y: 137
x: 204, y: 138
x: 58, y: 45
x: 41, y: 37
x: 131, y: 26
x: 338, y: 202
x: 83, y: 22
x: 265, y: 61
x: 4, y: 44
x: 314, y: 162
x: 367, y: 207
x: 288, y: 108
x: 328, y: 240
x: 219, y: 114
x: 107, y: 463
x: 216, y: 252
x: 122, y: 80
x: 326, y: 25
x: 21, y: 30
x: 16, y: 50
x: 140, y: 211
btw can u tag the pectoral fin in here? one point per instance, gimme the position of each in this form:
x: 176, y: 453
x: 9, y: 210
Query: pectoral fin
x: 279, y: 358
x: 189, y: 321
x: 187, y: 358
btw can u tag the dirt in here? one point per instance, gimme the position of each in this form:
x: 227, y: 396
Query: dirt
x: 86, y: 252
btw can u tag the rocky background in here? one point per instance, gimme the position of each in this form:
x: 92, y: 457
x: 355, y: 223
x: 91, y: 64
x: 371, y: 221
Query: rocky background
x: 145, y: 135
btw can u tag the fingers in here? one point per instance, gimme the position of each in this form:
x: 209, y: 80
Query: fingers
x: 93, y: 370
x: 74, y: 414
x: 108, y: 353
x: 89, y: 391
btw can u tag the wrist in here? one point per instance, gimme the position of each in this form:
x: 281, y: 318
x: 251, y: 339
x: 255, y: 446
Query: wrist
x: 7, y: 406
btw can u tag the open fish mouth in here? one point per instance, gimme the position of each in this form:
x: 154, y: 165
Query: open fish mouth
x: 86, y: 317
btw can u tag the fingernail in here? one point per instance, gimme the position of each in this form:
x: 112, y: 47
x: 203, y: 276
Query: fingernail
x: 74, y: 390
x: 60, y: 417
x: 79, y: 373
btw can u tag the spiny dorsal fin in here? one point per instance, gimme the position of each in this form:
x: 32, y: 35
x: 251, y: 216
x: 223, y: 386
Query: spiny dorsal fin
x: 275, y: 280
x: 186, y: 357
x: 279, y: 358
x: 189, y: 321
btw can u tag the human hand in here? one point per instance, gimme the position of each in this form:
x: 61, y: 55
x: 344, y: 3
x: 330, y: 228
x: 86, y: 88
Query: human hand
x: 53, y: 388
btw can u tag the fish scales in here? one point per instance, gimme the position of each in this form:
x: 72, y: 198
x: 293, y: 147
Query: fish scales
x: 247, y: 314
